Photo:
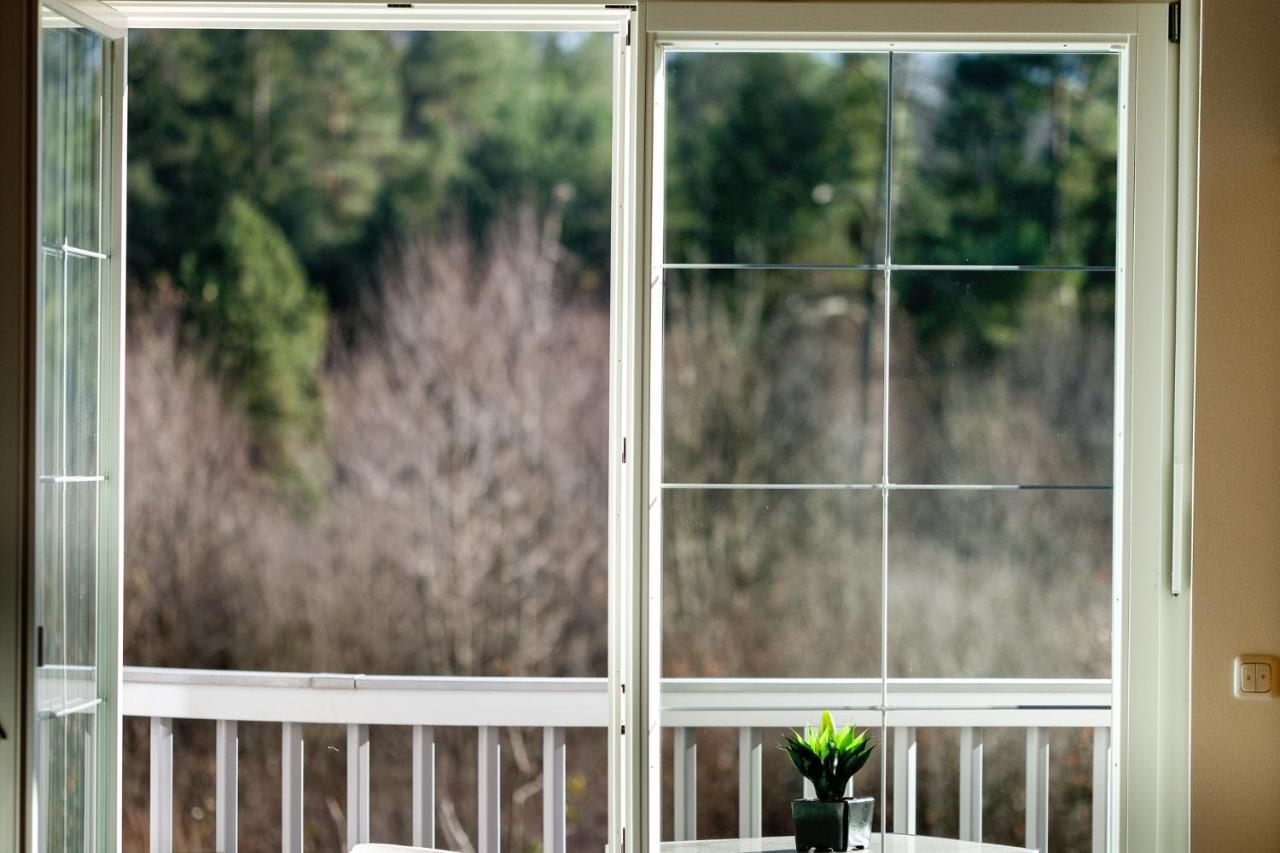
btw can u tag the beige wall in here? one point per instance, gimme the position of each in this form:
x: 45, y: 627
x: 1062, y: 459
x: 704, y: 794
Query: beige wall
x: 1235, y: 746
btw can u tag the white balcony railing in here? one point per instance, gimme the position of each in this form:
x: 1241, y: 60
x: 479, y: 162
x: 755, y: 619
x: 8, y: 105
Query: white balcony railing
x: 556, y: 704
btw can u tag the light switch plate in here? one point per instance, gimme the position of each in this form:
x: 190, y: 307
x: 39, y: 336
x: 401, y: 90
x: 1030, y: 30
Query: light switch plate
x: 1256, y: 677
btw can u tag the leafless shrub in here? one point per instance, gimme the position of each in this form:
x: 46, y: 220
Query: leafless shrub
x: 464, y: 531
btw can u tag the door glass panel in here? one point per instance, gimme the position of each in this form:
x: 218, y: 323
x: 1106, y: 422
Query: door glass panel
x: 1005, y: 158
x: 1002, y: 377
x: 1000, y: 584
x: 886, y: 491
x: 81, y: 593
x: 773, y: 559
x: 773, y: 376
x: 81, y: 372
x: 83, y: 143
x: 69, y: 476
x: 775, y: 157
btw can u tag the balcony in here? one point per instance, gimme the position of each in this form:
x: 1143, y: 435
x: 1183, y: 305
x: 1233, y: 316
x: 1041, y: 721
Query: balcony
x: 358, y: 702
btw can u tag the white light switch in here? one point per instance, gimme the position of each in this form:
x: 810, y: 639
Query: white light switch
x: 1254, y: 676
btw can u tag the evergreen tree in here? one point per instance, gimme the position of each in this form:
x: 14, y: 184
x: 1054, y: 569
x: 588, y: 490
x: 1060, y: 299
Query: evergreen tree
x: 267, y: 330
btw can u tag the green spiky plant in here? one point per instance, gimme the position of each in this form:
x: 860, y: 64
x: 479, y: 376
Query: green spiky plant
x: 828, y: 757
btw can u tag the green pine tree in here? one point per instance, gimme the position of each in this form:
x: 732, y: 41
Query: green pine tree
x: 268, y: 332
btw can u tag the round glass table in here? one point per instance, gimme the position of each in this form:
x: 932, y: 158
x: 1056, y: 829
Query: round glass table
x: 893, y: 843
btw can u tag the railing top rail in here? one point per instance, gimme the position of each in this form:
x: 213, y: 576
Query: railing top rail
x: 1101, y: 686
x: 357, y: 681
x: 583, y: 702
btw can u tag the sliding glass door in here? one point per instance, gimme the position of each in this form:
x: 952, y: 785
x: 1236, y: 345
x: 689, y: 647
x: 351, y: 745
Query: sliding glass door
x: 889, y: 282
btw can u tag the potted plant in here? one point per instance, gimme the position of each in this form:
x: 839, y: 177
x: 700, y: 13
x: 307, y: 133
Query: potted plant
x: 828, y: 757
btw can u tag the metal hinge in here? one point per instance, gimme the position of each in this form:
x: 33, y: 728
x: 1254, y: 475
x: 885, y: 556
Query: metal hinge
x: 1175, y: 22
x: 624, y: 439
x: 628, y: 34
x: 39, y: 646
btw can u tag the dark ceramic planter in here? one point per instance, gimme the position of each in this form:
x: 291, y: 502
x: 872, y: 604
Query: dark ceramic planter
x: 842, y: 825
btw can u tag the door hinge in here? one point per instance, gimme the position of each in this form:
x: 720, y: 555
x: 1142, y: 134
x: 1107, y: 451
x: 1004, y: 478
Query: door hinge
x: 1175, y: 22
x: 39, y: 646
x: 628, y: 34
x: 624, y: 450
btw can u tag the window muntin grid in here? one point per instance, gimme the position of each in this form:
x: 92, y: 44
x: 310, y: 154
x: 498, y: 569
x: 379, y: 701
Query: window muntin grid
x: 1070, y: 499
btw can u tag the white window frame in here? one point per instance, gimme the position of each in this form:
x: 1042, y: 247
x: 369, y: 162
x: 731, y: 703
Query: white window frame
x: 1150, y: 771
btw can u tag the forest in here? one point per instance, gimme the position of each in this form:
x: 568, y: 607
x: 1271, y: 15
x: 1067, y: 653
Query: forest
x: 368, y: 387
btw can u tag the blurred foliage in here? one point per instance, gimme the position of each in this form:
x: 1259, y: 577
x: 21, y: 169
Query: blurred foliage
x: 269, y: 172
x: 266, y: 332
x: 775, y: 157
x: 350, y: 141
x: 1002, y: 159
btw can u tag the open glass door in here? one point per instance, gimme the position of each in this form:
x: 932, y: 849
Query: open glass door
x: 76, y: 438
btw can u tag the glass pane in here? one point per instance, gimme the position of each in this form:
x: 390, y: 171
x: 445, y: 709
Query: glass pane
x: 81, y: 589
x: 85, y: 66
x: 53, y: 84
x: 50, y: 590
x: 52, y: 743
x: 1002, y: 378
x: 775, y: 157
x: 772, y: 377
x: 1005, y: 158
x: 82, y: 326
x: 1000, y: 584
x: 750, y: 579
x: 50, y: 382
x: 78, y: 773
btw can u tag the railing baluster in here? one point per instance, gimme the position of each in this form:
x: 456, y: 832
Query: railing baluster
x: 1037, y: 817
x: 424, y: 786
x: 226, y: 787
x: 750, y: 783
x: 291, y: 787
x: 685, y: 791
x: 553, y: 781
x: 488, y: 806
x: 971, y: 784
x: 1101, y: 789
x: 904, y: 780
x: 161, y: 785
x: 357, y: 784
